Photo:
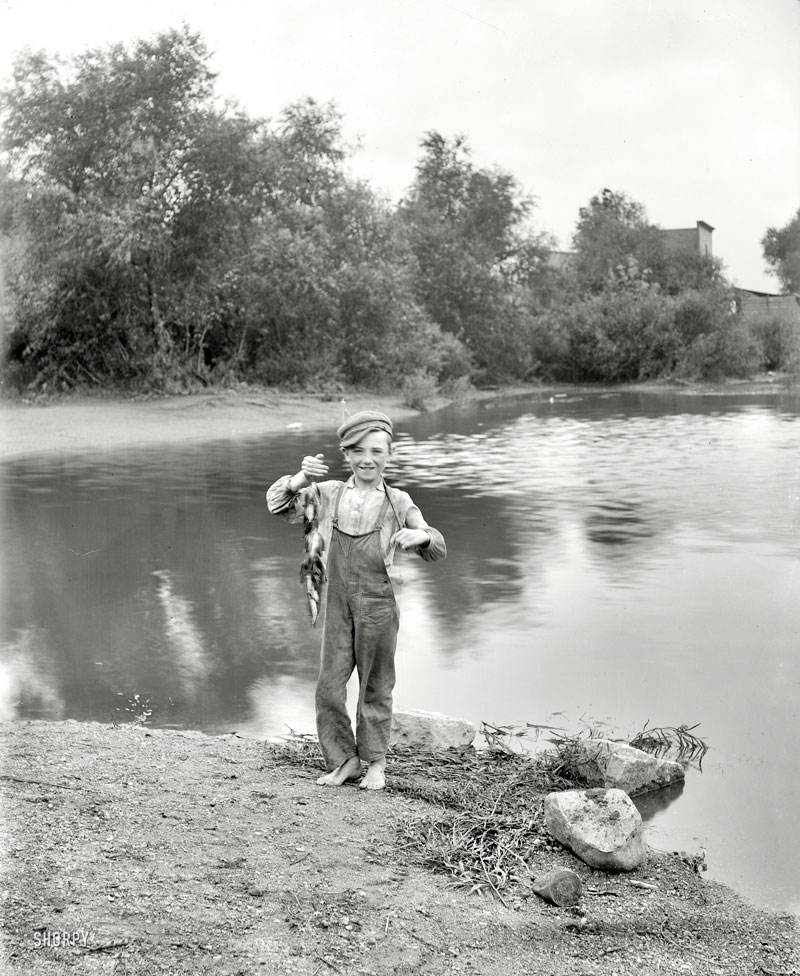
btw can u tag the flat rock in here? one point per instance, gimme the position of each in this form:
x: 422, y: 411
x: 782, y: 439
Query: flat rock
x: 617, y: 765
x: 431, y: 731
x: 602, y: 827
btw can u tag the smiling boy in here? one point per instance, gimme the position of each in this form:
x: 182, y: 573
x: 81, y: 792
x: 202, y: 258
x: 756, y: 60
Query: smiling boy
x: 362, y: 521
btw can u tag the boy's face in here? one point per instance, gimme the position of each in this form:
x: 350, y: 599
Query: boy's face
x: 369, y: 457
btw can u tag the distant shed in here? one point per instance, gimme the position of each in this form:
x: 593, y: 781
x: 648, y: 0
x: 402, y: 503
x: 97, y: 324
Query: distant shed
x: 693, y: 240
x: 754, y: 304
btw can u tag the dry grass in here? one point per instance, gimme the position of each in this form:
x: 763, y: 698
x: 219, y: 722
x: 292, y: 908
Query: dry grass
x: 488, y: 822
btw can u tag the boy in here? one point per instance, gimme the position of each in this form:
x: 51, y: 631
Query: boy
x: 362, y: 520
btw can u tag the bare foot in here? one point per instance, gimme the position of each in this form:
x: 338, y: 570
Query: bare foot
x: 374, y: 778
x: 350, y: 769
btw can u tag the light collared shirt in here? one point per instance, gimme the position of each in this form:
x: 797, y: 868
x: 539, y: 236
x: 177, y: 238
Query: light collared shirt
x: 358, y: 513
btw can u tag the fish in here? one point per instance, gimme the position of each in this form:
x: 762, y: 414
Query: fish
x: 312, y: 568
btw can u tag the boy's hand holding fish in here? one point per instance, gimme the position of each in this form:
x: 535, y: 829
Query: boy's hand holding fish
x: 311, y: 469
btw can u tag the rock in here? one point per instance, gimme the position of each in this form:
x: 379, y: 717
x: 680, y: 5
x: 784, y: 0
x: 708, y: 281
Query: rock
x: 560, y: 886
x: 430, y: 731
x: 601, y: 827
x: 616, y: 765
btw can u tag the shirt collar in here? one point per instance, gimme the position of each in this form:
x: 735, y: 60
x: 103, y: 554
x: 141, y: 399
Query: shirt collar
x: 351, y: 483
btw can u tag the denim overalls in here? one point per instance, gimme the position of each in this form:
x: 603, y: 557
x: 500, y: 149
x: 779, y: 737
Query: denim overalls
x: 361, y: 622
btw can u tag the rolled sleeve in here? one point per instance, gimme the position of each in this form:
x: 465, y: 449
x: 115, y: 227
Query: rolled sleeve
x: 281, y: 500
x: 436, y: 548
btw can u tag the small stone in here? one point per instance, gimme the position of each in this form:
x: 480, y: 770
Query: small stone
x: 561, y: 886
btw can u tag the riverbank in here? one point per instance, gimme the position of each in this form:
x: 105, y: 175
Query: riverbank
x: 79, y: 424
x: 139, y: 850
x: 82, y: 424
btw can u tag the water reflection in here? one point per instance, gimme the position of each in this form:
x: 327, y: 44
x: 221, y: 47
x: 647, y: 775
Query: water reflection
x: 621, y: 558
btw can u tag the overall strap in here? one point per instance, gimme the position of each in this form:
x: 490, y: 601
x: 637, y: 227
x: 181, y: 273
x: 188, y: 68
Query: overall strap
x: 382, y: 513
x: 387, y: 489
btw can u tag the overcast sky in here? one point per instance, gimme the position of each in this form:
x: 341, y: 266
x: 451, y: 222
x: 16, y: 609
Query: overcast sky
x: 691, y: 107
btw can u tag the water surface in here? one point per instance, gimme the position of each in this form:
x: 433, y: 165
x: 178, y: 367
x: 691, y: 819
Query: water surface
x: 613, y: 560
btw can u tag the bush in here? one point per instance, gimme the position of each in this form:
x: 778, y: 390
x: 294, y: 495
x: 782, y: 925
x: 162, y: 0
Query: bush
x: 725, y: 352
x: 458, y: 389
x: 616, y: 336
x: 419, y: 391
x: 778, y: 338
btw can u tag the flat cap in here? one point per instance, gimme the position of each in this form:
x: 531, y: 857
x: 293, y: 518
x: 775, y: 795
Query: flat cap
x: 361, y: 423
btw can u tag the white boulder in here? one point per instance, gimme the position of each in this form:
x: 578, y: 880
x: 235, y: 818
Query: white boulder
x: 617, y: 765
x: 430, y: 731
x: 601, y: 827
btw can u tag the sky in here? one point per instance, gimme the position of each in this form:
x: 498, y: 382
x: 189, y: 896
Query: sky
x: 690, y: 107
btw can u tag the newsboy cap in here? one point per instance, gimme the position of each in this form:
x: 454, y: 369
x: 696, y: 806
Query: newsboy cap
x: 361, y: 423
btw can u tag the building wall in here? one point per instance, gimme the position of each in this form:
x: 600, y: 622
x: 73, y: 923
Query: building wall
x: 695, y: 239
x: 704, y: 238
x: 680, y: 239
x: 754, y: 304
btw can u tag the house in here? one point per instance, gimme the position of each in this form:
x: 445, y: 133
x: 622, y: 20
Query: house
x: 755, y: 304
x: 695, y: 240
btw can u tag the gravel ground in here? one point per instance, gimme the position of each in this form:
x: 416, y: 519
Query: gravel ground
x: 132, y: 850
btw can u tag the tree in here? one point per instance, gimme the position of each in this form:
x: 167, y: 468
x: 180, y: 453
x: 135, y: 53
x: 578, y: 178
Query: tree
x: 134, y: 181
x: 477, y: 254
x: 329, y: 279
x: 781, y: 247
x: 612, y: 231
x: 156, y: 237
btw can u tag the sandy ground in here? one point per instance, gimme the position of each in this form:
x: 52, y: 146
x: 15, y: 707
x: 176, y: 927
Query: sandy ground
x: 130, y: 850
x: 83, y: 424
x: 89, y: 424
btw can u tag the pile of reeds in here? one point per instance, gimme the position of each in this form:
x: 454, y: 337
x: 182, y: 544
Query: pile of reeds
x: 479, y: 850
x: 487, y: 822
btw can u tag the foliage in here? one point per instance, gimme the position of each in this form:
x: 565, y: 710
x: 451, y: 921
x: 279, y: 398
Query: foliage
x: 157, y: 239
x: 477, y: 256
x: 778, y: 339
x: 781, y: 247
x: 613, y: 232
x: 618, y: 335
x: 154, y: 237
x: 125, y: 170
x: 419, y: 391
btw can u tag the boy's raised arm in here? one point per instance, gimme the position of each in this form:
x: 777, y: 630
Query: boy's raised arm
x: 282, y: 494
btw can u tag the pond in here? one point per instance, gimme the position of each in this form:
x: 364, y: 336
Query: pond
x: 614, y: 560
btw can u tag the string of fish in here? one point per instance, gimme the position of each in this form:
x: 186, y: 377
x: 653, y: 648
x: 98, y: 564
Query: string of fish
x: 312, y: 568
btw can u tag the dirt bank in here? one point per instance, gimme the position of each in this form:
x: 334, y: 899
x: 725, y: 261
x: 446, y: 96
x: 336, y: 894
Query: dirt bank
x: 82, y: 424
x: 131, y: 850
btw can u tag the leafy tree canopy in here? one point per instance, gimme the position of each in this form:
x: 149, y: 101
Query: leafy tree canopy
x: 613, y: 232
x: 478, y: 256
x: 781, y: 247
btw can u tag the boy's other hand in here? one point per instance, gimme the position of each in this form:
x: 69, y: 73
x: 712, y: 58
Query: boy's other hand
x: 409, y: 538
x: 314, y: 467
